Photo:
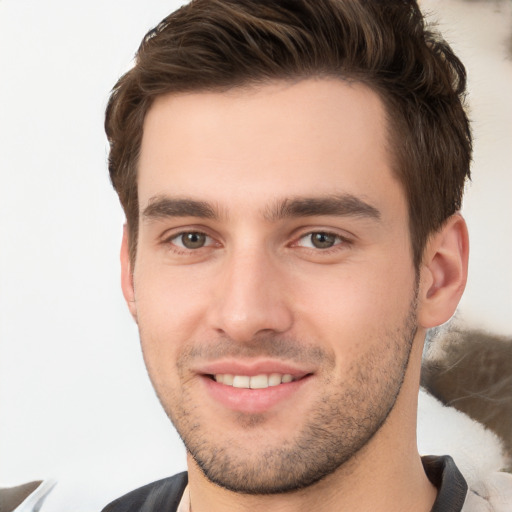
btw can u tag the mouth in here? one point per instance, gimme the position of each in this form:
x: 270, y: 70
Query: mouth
x: 253, y: 389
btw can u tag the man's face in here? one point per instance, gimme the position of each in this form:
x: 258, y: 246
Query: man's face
x: 273, y: 286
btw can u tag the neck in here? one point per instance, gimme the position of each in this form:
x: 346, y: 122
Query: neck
x: 386, y: 475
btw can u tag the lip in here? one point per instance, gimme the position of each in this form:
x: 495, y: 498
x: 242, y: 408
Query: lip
x: 253, y: 401
x: 253, y: 368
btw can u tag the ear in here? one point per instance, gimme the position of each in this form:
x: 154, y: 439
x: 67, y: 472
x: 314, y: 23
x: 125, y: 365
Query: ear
x: 127, y: 274
x: 443, y: 272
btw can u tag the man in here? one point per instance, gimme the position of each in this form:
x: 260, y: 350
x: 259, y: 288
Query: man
x: 292, y: 174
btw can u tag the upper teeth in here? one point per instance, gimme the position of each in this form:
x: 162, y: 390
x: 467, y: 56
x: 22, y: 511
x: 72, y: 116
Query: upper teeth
x: 255, y: 382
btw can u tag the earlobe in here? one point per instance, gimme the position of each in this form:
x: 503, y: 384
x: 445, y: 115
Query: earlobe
x: 443, y: 273
x: 127, y: 274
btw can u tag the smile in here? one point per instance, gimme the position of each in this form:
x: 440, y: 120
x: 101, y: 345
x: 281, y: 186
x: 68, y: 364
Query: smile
x: 255, y: 386
x: 261, y: 381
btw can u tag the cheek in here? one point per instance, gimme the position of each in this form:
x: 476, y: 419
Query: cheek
x: 170, y: 304
x: 355, y: 304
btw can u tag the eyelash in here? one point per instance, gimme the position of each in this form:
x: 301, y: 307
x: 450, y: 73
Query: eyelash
x: 340, y: 243
x: 170, y: 241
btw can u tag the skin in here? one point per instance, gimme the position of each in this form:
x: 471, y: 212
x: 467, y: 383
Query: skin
x: 257, y: 171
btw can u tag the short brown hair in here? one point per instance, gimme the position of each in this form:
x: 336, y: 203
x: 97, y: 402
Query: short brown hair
x: 220, y: 44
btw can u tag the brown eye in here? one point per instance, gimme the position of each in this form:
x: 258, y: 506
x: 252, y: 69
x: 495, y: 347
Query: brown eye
x: 192, y: 240
x: 322, y: 240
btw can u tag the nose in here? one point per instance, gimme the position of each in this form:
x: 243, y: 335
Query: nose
x: 251, y: 297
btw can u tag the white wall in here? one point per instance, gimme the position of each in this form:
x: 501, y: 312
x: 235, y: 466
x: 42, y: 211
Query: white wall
x: 75, y: 402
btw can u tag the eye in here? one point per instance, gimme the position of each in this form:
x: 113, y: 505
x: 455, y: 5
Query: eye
x: 320, y: 240
x: 191, y: 240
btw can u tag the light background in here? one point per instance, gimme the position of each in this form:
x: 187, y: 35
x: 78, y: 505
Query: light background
x: 75, y: 402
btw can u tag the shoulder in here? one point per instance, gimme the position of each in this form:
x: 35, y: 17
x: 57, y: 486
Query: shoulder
x: 162, y: 496
x: 478, y: 454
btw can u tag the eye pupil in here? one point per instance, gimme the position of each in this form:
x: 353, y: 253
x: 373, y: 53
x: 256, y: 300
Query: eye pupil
x: 323, y: 240
x: 193, y: 240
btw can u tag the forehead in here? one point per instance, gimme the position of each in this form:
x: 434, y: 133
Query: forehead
x: 257, y: 144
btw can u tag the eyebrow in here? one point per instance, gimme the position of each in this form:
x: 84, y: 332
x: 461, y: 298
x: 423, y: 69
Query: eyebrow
x: 344, y: 205
x: 162, y: 206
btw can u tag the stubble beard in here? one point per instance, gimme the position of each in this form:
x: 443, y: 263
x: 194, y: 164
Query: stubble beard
x: 346, y: 417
